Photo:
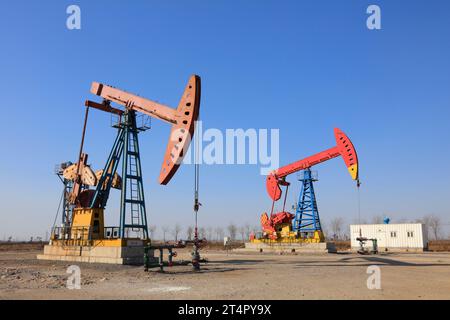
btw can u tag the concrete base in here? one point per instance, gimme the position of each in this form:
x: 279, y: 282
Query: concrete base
x: 133, y: 255
x: 393, y: 250
x: 320, y: 248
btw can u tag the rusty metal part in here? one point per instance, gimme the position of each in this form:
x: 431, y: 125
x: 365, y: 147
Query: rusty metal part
x: 105, y: 106
x: 182, y: 119
x: 78, y: 185
x: 84, y: 198
x: 116, y: 181
x: 85, y: 174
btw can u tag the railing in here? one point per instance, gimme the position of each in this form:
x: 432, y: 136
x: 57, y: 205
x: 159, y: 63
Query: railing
x: 75, y: 236
x: 143, y: 121
x: 304, y: 175
x: 85, y: 236
x: 59, y: 168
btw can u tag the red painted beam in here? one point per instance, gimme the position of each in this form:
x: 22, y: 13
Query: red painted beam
x: 344, y: 148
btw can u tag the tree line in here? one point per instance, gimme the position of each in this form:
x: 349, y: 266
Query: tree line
x: 334, y: 229
x: 210, y: 233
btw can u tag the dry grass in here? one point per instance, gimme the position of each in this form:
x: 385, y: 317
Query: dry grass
x: 21, y: 246
x: 342, y: 245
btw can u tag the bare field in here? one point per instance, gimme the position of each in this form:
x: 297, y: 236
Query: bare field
x: 233, y: 276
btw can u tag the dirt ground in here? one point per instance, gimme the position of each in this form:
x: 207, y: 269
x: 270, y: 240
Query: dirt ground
x: 233, y: 276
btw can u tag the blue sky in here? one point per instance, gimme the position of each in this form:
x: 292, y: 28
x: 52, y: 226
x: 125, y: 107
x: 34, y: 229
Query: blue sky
x: 301, y: 66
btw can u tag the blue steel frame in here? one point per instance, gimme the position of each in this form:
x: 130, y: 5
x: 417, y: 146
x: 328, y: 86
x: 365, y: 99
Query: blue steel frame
x: 132, y: 201
x: 307, y: 215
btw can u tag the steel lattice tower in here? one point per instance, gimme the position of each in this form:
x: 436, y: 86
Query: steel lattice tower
x: 307, y: 215
x: 133, y: 217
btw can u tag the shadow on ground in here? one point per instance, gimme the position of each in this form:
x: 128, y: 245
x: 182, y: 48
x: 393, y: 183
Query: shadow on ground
x: 368, y: 261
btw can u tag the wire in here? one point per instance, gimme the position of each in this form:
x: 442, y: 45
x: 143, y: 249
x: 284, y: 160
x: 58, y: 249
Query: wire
x: 359, y: 207
x: 358, y: 184
x: 59, y: 207
x: 196, y: 170
x: 196, y: 176
x: 195, y: 252
x: 285, y: 197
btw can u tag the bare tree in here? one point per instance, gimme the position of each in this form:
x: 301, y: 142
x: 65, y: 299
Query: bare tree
x: 241, y: 231
x: 232, y: 230
x: 209, y: 233
x: 189, y: 232
x: 164, y: 229
x: 202, y: 233
x: 432, y: 223
x: 219, y: 233
x: 176, y: 231
x: 359, y: 221
x: 435, y: 226
x: 336, y: 226
x: 378, y: 219
x: 152, y: 231
x: 248, y: 230
x: 324, y: 226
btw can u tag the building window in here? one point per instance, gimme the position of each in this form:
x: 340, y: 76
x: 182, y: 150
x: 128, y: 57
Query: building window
x: 393, y: 234
x: 410, y: 234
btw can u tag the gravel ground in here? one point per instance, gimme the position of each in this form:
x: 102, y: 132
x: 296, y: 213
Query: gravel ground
x: 233, y: 276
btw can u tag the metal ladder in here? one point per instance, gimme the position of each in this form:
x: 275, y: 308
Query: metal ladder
x: 134, y: 186
x: 134, y: 213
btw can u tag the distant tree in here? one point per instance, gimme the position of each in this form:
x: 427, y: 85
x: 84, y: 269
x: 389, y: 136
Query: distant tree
x: 151, y: 231
x: 435, y: 225
x: 359, y: 221
x: 336, y: 226
x: 219, y: 233
x: 232, y: 230
x: 248, y: 230
x: 176, y: 231
x: 10, y: 238
x: 432, y: 223
x: 378, y: 219
x: 202, y: 233
x: 189, y: 232
x: 209, y: 233
x: 241, y: 231
x: 164, y: 229
x: 325, y: 230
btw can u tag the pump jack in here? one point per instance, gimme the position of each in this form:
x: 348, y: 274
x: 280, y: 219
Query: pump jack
x: 287, y: 227
x: 83, y: 219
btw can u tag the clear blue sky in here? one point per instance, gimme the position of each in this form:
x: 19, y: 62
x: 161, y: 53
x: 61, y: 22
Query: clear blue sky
x: 301, y: 66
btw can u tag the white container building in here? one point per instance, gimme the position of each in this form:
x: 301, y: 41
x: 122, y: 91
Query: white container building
x: 391, y: 237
